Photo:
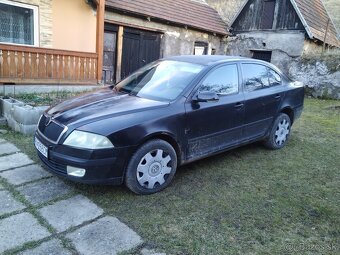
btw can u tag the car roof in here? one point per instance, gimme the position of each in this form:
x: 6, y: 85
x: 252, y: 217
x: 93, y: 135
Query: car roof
x: 206, y: 59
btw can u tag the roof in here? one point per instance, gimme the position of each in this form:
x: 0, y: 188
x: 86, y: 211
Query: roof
x: 204, y: 59
x: 314, y: 17
x: 193, y: 14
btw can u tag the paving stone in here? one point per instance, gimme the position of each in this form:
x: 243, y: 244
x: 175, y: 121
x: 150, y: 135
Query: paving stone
x: 7, y: 148
x: 25, y: 174
x: 104, y: 236
x: 8, y: 203
x: 53, y: 247
x: 71, y: 212
x: 150, y: 252
x: 43, y: 191
x: 13, y: 161
x: 20, y: 229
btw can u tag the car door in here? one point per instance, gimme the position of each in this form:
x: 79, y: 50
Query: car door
x: 215, y: 125
x: 263, y: 95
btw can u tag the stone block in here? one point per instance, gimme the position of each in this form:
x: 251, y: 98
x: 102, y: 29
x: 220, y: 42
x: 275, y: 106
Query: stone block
x: 7, y: 148
x: 25, y: 174
x: 20, y: 229
x: 104, y: 236
x: 43, y: 191
x: 69, y: 213
x: 52, y: 247
x: 13, y: 161
x: 8, y: 203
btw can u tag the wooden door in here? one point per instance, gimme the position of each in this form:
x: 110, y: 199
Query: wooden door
x: 139, y: 48
x: 110, y: 53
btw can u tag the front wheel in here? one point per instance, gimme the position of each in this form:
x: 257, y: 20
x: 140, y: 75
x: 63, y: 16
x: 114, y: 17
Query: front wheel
x: 151, y: 168
x: 279, y: 132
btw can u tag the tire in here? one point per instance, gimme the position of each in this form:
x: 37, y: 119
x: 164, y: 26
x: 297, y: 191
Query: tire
x: 279, y: 133
x: 152, y: 168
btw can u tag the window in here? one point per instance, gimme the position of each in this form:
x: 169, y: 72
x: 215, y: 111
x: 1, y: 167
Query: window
x: 223, y: 81
x: 262, y: 55
x: 18, y: 23
x: 255, y: 76
x: 268, y: 14
x: 274, y: 78
x: 201, y: 48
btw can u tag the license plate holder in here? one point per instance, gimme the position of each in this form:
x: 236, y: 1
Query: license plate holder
x: 41, y: 147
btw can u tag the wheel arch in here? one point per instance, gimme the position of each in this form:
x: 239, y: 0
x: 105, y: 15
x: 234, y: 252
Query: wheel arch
x: 165, y: 137
x: 290, y: 112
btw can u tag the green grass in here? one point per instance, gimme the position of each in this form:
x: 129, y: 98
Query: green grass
x: 42, y: 99
x: 247, y: 201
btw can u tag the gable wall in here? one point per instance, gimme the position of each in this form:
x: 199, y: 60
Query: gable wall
x: 285, y: 17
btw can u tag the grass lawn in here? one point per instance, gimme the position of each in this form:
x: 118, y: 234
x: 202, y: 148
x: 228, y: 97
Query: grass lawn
x: 247, y: 201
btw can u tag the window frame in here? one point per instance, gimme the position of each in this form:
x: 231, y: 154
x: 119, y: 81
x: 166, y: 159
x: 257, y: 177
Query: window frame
x: 35, y: 9
x: 239, y: 79
x: 268, y: 68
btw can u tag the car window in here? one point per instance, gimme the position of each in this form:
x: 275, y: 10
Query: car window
x: 274, y: 78
x: 255, y: 76
x: 223, y: 81
x: 161, y: 80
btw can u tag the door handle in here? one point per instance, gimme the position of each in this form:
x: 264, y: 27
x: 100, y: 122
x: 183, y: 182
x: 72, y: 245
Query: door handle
x: 277, y: 97
x: 239, y: 105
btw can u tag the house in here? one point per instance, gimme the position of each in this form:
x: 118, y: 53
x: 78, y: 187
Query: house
x: 49, y: 41
x: 89, y: 41
x: 140, y: 31
x: 279, y: 31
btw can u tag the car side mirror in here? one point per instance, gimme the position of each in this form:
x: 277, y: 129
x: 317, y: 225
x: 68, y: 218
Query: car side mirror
x: 206, y: 96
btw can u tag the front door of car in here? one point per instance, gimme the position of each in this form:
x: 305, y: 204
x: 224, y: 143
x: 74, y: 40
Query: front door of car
x: 263, y: 96
x: 214, y: 113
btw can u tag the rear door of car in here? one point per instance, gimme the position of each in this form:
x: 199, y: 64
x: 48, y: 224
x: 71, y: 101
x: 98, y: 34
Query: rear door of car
x: 263, y: 93
x: 215, y: 125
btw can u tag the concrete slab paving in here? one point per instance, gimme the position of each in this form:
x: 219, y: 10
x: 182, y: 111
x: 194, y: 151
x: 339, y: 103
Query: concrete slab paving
x: 71, y: 212
x: 105, y: 236
x: 13, y: 161
x: 150, y: 252
x: 52, y: 247
x: 25, y: 174
x: 8, y: 148
x: 9, y: 203
x: 45, y: 190
x: 20, y: 229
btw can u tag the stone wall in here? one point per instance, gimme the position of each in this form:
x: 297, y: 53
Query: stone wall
x: 45, y: 20
x: 319, y: 73
x: 175, y: 40
x: 285, y: 46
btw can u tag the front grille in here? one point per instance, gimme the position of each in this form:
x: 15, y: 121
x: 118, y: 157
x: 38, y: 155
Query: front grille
x: 52, y: 131
x: 55, y: 167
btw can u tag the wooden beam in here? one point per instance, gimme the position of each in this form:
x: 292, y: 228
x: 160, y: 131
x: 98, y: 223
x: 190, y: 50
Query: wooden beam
x: 100, y: 37
x: 119, y: 53
x: 325, y: 38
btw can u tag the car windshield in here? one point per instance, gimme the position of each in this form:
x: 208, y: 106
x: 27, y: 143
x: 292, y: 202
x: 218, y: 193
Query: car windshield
x: 160, y: 80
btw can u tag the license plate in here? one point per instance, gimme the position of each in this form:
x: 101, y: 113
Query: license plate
x: 41, y: 147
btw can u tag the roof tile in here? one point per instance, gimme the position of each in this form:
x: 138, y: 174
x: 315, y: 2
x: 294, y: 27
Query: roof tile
x: 182, y: 12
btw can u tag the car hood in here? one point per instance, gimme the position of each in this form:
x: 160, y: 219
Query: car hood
x: 98, y: 105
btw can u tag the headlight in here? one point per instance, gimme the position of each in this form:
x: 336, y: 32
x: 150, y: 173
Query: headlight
x: 86, y: 140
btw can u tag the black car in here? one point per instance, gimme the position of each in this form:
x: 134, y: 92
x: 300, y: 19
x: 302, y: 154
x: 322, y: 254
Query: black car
x: 168, y: 113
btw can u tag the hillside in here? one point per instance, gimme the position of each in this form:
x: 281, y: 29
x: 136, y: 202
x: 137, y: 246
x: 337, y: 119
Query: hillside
x: 333, y: 8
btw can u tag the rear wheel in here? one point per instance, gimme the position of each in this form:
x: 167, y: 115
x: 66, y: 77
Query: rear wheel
x: 279, y: 133
x: 151, y: 168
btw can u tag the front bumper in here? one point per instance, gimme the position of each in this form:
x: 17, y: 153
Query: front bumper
x: 102, y: 166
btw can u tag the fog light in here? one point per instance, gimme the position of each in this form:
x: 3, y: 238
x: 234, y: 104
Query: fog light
x: 74, y: 171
